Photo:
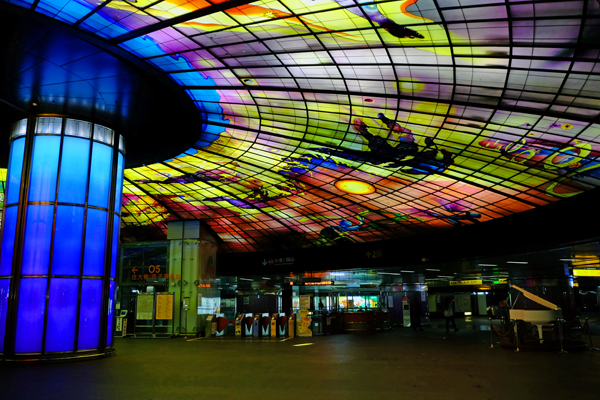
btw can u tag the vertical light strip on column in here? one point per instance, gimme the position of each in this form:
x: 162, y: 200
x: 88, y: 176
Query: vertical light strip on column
x: 63, y: 199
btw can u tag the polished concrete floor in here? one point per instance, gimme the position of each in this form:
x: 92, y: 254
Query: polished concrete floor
x: 399, y: 364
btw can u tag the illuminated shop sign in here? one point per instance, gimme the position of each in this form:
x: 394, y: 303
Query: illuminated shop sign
x: 323, y: 283
x: 586, y: 272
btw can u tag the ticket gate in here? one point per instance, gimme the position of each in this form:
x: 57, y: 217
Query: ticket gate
x: 248, y: 325
x: 256, y: 330
x: 279, y: 325
x: 222, y: 324
x: 282, y: 326
x: 238, y: 325
x: 291, y: 323
x: 274, y: 320
x: 265, y: 325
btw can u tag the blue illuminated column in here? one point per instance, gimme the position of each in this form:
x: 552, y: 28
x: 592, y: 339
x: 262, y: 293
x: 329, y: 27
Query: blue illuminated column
x: 59, y: 239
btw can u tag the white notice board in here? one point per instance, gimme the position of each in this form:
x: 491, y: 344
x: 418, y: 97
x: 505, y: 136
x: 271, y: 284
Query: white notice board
x: 145, y: 305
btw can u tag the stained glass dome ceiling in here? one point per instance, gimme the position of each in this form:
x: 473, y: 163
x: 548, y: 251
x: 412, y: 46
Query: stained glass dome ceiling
x: 349, y: 121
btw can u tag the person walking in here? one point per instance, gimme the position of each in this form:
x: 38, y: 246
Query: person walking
x: 449, y: 314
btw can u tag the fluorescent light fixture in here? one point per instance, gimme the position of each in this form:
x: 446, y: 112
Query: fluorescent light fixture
x: 245, y: 279
x: 445, y: 276
x: 266, y: 278
x: 408, y: 271
x: 388, y: 273
x: 582, y: 258
x: 488, y: 265
x: 431, y: 269
x: 468, y: 313
x: 517, y: 262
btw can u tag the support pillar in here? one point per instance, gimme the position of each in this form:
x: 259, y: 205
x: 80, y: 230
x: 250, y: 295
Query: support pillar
x: 59, y: 239
x: 192, y: 255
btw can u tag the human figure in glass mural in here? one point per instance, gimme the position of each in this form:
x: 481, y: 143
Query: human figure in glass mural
x: 372, y: 13
x: 337, y: 234
x: 403, y: 153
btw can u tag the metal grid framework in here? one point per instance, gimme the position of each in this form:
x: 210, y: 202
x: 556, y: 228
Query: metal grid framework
x: 444, y: 112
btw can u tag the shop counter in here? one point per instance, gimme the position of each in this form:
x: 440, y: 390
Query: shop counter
x: 365, y: 320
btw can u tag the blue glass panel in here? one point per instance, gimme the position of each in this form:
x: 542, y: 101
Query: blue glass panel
x: 115, y: 246
x: 4, y: 287
x: 68, y: 7
x: 68, y: 235
x: 89, y: 314
x: 62, y: 312
x: 111, y: 306
x: 44, y: 168
x: 15, y: 169
x: 30, y: 317
x: 74, y: 170
x: 22, y: 3
x: 119, y: 186
x: 8, y: 240
x: 95, y: 239
x: 38, y: 233
x: 100, y: 175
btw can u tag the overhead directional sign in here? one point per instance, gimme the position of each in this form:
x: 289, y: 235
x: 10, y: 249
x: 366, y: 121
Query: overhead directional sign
x: 469, y: 282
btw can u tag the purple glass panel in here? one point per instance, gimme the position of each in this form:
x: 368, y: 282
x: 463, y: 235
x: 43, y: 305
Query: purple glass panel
x: 30, y: 317
x: 115, y: 246
x: 62, y: 312
x: 4, y: 287
x: 8, y: 240
x: 89, y: 314
x: 111, y: 306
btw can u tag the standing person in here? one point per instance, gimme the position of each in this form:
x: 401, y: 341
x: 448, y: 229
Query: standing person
x: 415, y: 315
x: 321, y: 306
x: 449, y: 314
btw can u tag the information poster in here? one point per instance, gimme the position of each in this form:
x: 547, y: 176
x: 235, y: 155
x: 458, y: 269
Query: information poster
x: 463, y: 302
x: 164, y: 306
x: 305, y: 302
x: 303, y: 322
x: 145, y: 305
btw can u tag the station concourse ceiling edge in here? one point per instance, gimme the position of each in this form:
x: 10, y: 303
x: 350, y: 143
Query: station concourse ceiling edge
x: 335, y: 123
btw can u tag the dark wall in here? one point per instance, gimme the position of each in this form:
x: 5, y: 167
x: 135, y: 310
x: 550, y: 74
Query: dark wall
x: 264, y: 303
x: 567, y: 221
